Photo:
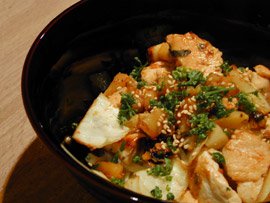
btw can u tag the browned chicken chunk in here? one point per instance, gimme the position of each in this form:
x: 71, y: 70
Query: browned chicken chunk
x: 247, y: 156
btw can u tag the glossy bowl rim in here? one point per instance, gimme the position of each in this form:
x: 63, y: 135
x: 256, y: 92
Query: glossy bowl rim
x: 74, y: 167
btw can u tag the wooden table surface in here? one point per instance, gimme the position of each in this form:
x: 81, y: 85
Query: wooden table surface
x: 28, y: 171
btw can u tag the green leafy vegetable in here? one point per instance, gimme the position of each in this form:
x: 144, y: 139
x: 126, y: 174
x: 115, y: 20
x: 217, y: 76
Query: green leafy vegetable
x: 136, y: 73
x: 141, y: 84
x: 226, y: 68
x: 126, y: 110
x: 156, y: 192
x: 188, y: 77
x: 160, y: 86
x: 115, y: 158
x: 168, y: 178
x: 218, y: 157
x: 123, y: 145
x: 118, y: 181
x: 169, y: 101
x: 136, y: 159
x: 244, y: 104
x: 170, y: 196
x: 161, y: 170
x: 170, y: 144
x: 200, y: 125
x: 210, y: 100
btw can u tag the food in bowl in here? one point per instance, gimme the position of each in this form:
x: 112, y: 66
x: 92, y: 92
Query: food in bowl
x: 186, y: 126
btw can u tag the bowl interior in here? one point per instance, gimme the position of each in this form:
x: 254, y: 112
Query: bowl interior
x: 77, y: 55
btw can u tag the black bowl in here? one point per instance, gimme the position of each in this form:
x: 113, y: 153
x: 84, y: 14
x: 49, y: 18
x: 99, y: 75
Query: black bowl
x: 78, y: 53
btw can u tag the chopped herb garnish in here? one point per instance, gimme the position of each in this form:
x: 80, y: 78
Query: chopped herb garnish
x: 136, y: 72
x: 161, y: 170
x: 226, y: 68
x: 115, y: 157
x: 201, y: 125
x: 188, y: 77
x: 136, y: 159
x: 168, y: 178
x: 126, y: 110
x: 123, y: 145
x: 209, y: 99
x: 218, y: 157
x: 245, y: 104
x: 118, y: 181
x: 168, y: 188
x: 170, y: 196
x: 169, y: 101
x: 170, y: 144
x: 256, y: 93
x: 157, y: 192
x: 141, y: 84
x: 160, y: 86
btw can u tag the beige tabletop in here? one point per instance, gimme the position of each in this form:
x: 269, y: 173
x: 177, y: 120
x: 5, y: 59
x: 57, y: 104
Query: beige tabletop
x: 28, y: 171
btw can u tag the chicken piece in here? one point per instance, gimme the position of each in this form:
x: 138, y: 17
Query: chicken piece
x: 262, y: 71
x: 156, y: 71
x: 194, y: 52
x: 259, y: 82
x: 100, y: 126
x: 247, y: 156
x: 254, y: 189
x: 208, y: 184
x: 143, y: 183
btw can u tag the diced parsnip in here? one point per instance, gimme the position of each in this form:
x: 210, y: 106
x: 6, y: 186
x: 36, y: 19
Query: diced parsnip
x: 160, y: 52
x: 148, y: 122
x: 259, y: 82
x: 147, y: 96
x: 110, y: 169
x: 217, y: 138
x: 242, y: 84
x: 260, y: 103
x: 234, y: 120
x: 264, y: 195
x: 262, y: 71
x: 133, y: 122
x: 120, y: 80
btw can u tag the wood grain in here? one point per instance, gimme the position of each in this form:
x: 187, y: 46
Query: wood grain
x: 28, y: 171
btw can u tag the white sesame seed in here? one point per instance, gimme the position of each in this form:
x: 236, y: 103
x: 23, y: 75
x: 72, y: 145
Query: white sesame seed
x: 158, y: 124
x: 185, y: 106
x: 179, y: 114
x: 166, y: 126
x: 182, y: 140
x: 169, y: 130
x: 137, y: 96
x: 178, y: 122
x: 186, y: 146
x: 163, y: 131
x: 118, y: 88
x: 170, y: 76
x: 193, y: 98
